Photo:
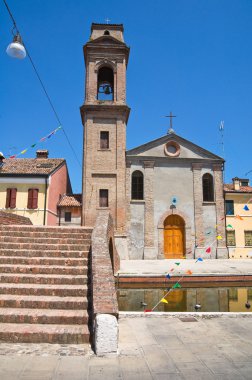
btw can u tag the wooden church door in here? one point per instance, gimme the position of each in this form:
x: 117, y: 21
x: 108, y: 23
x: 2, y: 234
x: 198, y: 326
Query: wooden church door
x: 174, y: 237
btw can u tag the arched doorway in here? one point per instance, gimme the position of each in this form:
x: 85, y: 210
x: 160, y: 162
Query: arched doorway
x: 174, y: 237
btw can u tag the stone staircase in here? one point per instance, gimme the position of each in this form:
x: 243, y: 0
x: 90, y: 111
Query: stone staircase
x: 44, y: 284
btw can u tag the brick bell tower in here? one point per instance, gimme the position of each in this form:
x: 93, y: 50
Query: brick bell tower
x: 104, y: 117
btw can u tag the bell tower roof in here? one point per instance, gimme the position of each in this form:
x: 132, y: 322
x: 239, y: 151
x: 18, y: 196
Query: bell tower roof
x: 113, y: 30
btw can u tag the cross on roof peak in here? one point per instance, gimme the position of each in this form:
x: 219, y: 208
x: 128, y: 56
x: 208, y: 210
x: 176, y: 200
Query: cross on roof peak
x: 170, y: 130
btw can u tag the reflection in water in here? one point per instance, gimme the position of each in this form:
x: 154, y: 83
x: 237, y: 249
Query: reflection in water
x: 211, y: 299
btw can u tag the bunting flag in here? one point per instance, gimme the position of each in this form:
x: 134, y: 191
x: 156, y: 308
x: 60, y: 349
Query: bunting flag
x: 41, y: 140
x: 164, y: 300
x: 177, y: 263
x: 171, y: 270
x: 147, y: 310
x: 238, y: 217
x: 176, y: 286
x: 230, y: 226
x: 219, y: 237
x: 246, y: 208
x: 199, y: 259
x: 189, y: 272
x: 208, y: 250
x: 168, y: 276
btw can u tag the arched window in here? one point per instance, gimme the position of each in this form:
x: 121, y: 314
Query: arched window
x: 105, y: 84
x: 137, y: 185
x: 106, y: 33
x: 207, y: 185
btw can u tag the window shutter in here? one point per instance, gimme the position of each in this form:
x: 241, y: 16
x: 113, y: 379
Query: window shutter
x: 34, y: 198
x: 29, y: 204
x: 12, y: 201
x: 8, y: 192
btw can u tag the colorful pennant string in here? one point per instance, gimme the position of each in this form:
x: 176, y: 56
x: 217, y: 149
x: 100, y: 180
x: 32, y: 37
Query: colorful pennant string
x: 41, y: 140
x: 208, y: 250
x: 230, y: 226
x: 177, y: 263
x: 219, y: 237
x: 164, y: 300
x: 246, y: 208
x: 238, y: 217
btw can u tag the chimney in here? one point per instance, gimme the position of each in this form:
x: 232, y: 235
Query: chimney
x: 43, y: 153
x: 236, y: 183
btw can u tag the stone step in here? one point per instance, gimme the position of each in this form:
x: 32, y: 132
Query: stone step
x: 43, y: 269
x: 53, y: 247
x: 44, y: 240
x: 43, y: 279
x: 68, y: 261
x: 48, y: 234
x: 43, y: 302
x: 54, y: 229
x: 42, y: 253
x: 43, y: 333
x: 44, y: 316
x: 44, y: 290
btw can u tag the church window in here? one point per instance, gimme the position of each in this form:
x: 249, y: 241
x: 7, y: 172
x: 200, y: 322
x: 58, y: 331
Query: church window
x: 231, y: 238
x: 208, y: 193
x: 106, y: 33
x: 229, y: 207
x: 137, y: 185
x: 172, y: 149
x: 103, y: 198
x: 32, y: 198
x: 104, y: 140
x: 105, y: 84
x: 248, y: 238
x: 11, y: 198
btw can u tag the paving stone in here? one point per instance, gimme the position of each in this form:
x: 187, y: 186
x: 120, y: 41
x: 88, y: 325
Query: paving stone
x: 158, y: 360
x: 134, y: 368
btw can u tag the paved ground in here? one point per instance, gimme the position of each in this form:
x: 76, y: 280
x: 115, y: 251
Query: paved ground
x: 206, y: 267
x: 150, y: 347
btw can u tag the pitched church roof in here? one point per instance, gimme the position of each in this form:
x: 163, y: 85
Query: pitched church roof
x: 188, y: 150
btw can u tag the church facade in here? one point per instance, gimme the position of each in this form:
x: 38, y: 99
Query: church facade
x: 166, y: 196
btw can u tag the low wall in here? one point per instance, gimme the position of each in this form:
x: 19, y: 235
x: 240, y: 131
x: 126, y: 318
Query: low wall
x: 7, y: 218
x: 104, y: 263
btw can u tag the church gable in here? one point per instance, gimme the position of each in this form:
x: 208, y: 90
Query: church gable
x: 171, y: 146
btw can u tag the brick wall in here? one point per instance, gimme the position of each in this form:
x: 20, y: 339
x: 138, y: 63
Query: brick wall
x: 104, y: 259
x: 7, y: 218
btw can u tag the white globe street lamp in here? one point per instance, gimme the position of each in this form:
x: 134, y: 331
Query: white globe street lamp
x: 16, y: 49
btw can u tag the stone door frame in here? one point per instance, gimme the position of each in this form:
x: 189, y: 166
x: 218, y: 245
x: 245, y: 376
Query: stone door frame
x: 189, y: 253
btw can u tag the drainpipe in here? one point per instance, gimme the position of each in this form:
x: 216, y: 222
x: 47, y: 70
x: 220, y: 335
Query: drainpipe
x: 44, y: 222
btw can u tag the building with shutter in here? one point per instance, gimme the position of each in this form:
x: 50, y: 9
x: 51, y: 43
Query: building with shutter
x: 32, y: 187
x: 69, y: 210
x: 238, y: 208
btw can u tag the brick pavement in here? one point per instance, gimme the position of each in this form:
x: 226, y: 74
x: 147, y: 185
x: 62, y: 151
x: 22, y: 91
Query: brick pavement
x: 150, y: 347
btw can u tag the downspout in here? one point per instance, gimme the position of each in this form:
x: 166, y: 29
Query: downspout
x: 44, y: 222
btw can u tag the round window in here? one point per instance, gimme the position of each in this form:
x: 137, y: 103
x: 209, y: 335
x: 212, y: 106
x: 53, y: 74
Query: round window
x: 172, y: 149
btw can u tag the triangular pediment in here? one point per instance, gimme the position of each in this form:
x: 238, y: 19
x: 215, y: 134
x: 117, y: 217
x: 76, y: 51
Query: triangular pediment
x: 106, y: 40
x: 166, y: 146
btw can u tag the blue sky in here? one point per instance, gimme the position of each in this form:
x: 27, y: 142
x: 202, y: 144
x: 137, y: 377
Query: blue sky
x: 191, y: 57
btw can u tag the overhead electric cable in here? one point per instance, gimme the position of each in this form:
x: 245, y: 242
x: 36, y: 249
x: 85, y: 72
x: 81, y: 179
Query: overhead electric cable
x: 42, y: 85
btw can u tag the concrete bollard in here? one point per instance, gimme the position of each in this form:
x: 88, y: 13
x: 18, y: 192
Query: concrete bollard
x: 106, y: 334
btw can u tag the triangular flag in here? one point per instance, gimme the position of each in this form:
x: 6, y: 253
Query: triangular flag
x: 219, y: 237
x: 168, y: 276
x: 177, y: 263
x: 230, y: 226
x: 171, y: 270
x: 147, y: 310
x: 246, y: 208
x: 164, y: 300
x: 223, y: 218
x: 208, y: 250
x: 189, y: 271
x: 43, y: 139
x: 13, y: 156
x: 199, y: 259
x: 176, y: 286
x: 238, y: 217
x: 23, y: 151
x: 33, y: 145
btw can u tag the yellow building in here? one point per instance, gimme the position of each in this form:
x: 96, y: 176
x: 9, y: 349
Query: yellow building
x: 31, y: 187
x: 238, y: 201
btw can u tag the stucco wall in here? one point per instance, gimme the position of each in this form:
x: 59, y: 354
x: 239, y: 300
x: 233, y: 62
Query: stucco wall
x: 36, y: 216
x: 58, y: 186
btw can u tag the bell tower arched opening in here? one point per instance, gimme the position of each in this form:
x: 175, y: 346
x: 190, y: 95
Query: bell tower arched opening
x: 174, y: 237
x: 105, y: 84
